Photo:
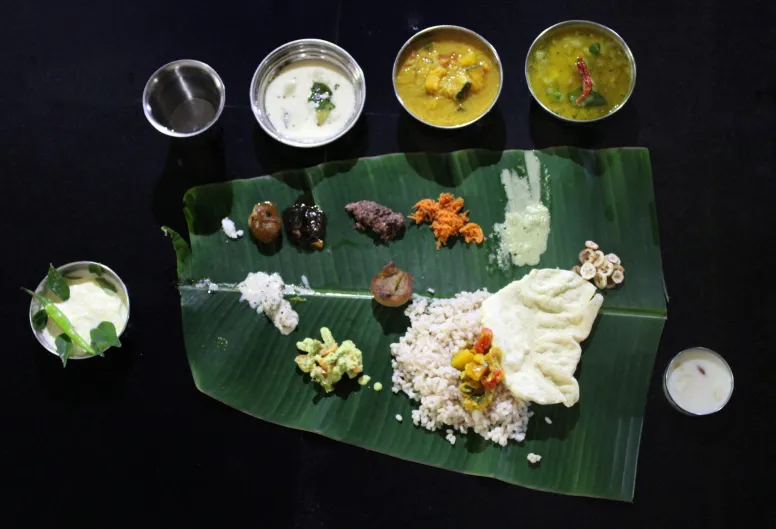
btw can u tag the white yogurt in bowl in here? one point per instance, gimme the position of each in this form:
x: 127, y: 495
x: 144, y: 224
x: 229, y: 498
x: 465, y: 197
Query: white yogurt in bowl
x: 97, y: 294
x: 310, y: 100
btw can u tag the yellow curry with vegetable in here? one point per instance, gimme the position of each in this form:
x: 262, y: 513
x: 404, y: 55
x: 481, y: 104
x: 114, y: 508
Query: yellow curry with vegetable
x: 449, y: 81
x: 481, y: 371
x: 580, y: 73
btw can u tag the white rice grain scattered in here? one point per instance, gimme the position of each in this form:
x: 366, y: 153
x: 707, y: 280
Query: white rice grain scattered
x: 208, y: 284
x: 306, y: 283
x: 399, y: 418
x: 548, y: 420
x: 227, y: 225
x: 296, y: 290
x: 431, y: 291
x: 422, y: 370
x: 534, y: 458
x: 264, y: 293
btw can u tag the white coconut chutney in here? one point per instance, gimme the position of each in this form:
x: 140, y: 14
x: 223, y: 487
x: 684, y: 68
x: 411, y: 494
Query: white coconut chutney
x: 526, y: 227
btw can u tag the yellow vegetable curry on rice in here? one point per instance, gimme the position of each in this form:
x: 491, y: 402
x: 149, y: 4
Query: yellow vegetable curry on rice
x: 448, y: 81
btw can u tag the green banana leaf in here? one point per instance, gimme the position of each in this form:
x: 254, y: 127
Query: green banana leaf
x: 239, y: 358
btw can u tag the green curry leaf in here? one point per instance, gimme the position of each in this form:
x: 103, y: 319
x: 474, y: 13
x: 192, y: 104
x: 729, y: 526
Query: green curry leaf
x: 105, y: 284
x: 464, y: 91
x: 57, y: 284
x: 595, y: 99
x: 104, y: 336
x: 595, y: 48
x: 96, y: 270
x: 39, y: 320
x: 64, y: 345
x: 320, y: 96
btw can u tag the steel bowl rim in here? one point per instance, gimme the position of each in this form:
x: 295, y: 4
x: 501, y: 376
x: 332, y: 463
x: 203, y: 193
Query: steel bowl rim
x: 605, y: 29
x: 671, y: 400
x: 255, y: 99
x: 470, y: 32
x: 84, y: 265
x: 189, y: 62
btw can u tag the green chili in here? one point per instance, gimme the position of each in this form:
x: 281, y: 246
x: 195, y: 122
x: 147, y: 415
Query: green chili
x: 62, y: 321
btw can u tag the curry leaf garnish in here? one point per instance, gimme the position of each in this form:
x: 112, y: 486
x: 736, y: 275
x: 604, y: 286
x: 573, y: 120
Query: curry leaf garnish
x: 64, y: 347
x: 57, y: 284
x: 96, y: 270
x: 320, y: 97
x: 464, y: 91
x: 104, y: 336
x: 595, y: 99
x: 39, y: 320
x: 595, y: 48
x: 105, y: 284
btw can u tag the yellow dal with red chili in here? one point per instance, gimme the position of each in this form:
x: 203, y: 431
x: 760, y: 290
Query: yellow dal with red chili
x: 557, y: 82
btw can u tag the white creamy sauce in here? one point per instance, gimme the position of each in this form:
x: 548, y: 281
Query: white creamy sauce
x: 88, y: 306
x: 526, y: 227
x: 699, y: 382
x: 290, y: 112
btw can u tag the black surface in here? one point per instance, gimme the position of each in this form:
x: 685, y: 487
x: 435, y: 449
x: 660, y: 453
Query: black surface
x: 127, y: 441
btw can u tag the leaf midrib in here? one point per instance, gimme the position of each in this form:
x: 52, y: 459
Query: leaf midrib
x: 367, y: 295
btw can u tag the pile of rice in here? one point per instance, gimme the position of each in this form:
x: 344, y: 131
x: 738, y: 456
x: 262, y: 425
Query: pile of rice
x: 422, y: 370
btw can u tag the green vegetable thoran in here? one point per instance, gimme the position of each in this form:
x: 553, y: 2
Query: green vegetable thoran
x: 327, y: 361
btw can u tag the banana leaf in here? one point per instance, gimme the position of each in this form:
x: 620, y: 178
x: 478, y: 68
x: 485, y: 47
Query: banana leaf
x: 239, y: 358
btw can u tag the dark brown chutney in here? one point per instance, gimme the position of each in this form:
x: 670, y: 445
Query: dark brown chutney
x: 305, y: 225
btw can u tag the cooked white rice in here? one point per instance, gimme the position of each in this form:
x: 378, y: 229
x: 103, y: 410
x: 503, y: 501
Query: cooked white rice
x: 229, y: 228
x: 422, y: 370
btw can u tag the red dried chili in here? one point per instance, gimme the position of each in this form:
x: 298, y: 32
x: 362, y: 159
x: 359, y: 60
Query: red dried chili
x: 587, y: 81
x: 483, y: 344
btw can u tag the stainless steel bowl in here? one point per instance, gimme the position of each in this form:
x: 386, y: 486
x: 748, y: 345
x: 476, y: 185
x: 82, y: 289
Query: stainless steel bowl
x: 562, y: 26
x: 78, y: 269
x: 184, y: 98
x: 428, y: 34
x: 670, y: 368
x: 298, y: 50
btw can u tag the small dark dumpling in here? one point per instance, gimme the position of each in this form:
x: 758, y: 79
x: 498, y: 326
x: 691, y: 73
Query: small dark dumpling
x: 264, y: 222
x: 305, y: 225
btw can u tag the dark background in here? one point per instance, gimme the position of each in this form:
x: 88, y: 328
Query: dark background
x: 127, y: 441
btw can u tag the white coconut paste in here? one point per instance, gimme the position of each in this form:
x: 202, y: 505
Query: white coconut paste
x: 526, y: 227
